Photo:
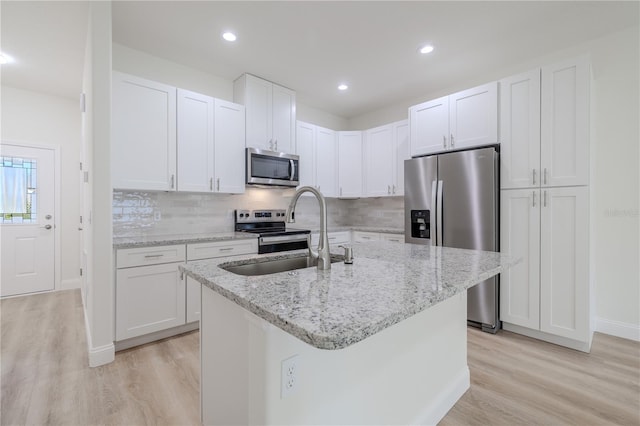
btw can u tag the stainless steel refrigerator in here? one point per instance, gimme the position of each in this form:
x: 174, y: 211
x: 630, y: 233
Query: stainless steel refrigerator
x: 452, y: 200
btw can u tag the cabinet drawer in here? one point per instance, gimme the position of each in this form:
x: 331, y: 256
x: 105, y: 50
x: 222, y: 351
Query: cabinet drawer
x: 396, y: 238
x: 221, y: 249
x: 126, y: 258
x: 341, y: 237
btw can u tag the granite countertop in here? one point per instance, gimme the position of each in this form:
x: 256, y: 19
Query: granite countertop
x: 162, y: 240
x: 387, y: 283
x: 380, y: 229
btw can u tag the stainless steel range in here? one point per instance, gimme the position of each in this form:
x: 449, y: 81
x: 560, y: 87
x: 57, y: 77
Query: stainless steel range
x: 274, y: 236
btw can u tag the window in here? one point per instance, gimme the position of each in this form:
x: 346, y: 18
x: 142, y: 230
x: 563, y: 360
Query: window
x: 18, y: 190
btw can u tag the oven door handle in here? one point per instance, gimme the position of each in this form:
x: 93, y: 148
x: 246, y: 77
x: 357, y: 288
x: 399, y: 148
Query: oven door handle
x: 283, y: 238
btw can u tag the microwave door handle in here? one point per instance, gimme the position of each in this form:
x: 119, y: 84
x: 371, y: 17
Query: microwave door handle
x: 292, y: 167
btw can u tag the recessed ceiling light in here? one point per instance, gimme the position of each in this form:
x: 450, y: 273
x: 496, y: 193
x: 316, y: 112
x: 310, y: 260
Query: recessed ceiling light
x: 5, y: 59
x: 229, y: 36
x: 426, y: 49
x: 343, y: 87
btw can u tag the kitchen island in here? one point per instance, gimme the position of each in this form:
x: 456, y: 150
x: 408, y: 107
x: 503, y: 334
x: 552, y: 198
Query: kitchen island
x: 380, y: 341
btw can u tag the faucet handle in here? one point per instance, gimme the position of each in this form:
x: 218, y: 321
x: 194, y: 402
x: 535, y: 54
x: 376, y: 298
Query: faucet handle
x: 348, y: 254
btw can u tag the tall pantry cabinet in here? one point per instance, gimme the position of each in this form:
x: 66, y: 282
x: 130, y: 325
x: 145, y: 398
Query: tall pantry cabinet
x: 544, y: 127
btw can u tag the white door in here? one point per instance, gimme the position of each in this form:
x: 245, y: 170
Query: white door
x: 520, y: 238
x: 378, y: 161
x: 350, y: 164
x: 520, y: 130
x: 229, y: 155
x: 27, y: 197
x: 305, y: 148
x: 429, y: 126
x: 195, y: 142
x: 326, y: 162
x: 564, y: 262
x: 564, y: 146
x: 473, y: 116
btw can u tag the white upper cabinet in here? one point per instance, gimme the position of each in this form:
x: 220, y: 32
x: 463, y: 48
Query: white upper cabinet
x: 429, y: 122
x: 306, y: 150
x: 270, y: 113
x: 379, y: 153
x: 520, y: 130
x: 461, y: 120
x: 544, y: 126
x: 229, y: 154
x: 195, y: 142
x: 327, y: 162
x: 350, y: 164
x: 143, y: 144
x: 564, y: 149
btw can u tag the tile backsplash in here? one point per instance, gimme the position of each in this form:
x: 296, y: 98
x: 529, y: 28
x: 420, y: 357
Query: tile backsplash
x: 139, y: 213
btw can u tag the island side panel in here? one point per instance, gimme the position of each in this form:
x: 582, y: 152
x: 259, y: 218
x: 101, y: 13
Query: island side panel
x: 412, y: 372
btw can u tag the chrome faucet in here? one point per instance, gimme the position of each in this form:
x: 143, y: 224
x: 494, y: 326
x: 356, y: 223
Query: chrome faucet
x: 322, y: 254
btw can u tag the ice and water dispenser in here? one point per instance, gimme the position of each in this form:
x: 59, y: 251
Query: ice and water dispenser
x: 420, y: 224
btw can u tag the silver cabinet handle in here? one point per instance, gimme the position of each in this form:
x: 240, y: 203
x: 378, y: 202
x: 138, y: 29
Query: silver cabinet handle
x: 534, y: 176
x: 210, y: 184
x: 388, y: 189
x: 393, y: 189
x: 545, y: 198
x: 534, y: 198
x: 545, y: 175
x: 181, y: 276
x: 271, y: 144
x: 173, y: 181
x: 218, y: 184
x: 47, y: 227
x: 444, y: 141
x: 227, y: 249
x: 276, y: 142
x: 153, y: 256
x: 452, y: 140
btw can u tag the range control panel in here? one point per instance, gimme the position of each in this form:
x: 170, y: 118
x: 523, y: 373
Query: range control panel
x: 250, y: 216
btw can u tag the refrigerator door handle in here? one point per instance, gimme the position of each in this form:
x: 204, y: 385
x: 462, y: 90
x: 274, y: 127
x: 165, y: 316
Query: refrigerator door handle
x: 432, y: 214
x: 439, y: 213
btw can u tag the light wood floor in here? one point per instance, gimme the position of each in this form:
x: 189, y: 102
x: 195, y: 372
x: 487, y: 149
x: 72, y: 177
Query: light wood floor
x: 514, y: 379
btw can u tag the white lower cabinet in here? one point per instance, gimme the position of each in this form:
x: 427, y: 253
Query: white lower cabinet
x: 363, y: 237
x: 548, y: 292
x: 150, y: 293
x: 193, y: 300
x: 335, y: 238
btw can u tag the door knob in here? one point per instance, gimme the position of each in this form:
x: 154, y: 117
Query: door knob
x: 47, y: 227
x: 48, y: 216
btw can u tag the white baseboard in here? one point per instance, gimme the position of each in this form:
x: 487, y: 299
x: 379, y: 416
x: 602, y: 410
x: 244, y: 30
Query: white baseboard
x: 618, y: 329
x: 551, y: 338
x: 100, y: 355
x: 70, y: 284
x: 446, y: 400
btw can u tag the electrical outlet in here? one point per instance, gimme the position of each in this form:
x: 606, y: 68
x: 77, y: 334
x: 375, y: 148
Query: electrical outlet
x: 289, y: 376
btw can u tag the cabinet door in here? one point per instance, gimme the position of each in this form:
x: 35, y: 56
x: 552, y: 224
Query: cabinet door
x: 284, y: 119
x: 305, y: 148
x: 520, y: 238
x: 193, y: 300
x: 565, y: 123
x: 148, y: 299
x: 520, y: 130
x: 429, y: 127
x: 473, y: 116
x: 229, y: 147
x: 401, y: 140
x: 143, y: 150
x: 327, y: 162
x: 258, y: 102
x: 378, y: 161
x: 564, y: 263
x: 195, y: 142
x: 350, y: 164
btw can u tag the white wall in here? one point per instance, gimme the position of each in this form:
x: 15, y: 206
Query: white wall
x: 141, y: 64
x: 38, y: 118
x: 615, y: 182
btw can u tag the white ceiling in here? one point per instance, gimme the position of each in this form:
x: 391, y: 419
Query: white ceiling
x: 311, y: 46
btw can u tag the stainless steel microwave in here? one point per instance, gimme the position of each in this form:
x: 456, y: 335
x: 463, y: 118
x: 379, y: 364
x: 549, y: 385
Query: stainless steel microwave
x: 272, y: 168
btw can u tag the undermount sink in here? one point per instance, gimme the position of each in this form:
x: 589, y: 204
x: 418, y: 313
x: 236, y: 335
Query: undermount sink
x: 262, y: 266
